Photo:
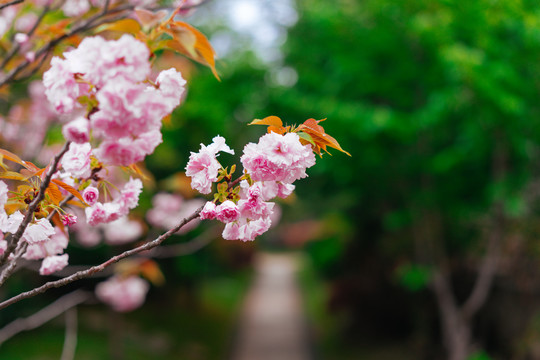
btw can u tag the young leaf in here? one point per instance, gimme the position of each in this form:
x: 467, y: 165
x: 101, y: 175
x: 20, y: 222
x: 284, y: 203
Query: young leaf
x: 148, y: 18
x: 150, y: 270
x: 129, y: 26
x: 54, y: 193
x: 12, y: 175
x: 69, y: 189
x: 12, y: 157
x: 317, y: 133
x: 191, y: 42
x: 269, y: 120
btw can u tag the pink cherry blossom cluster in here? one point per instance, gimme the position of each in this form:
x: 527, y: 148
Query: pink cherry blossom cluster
x: 43, y: 240
x: 100, y: 213
x: 123, y: 293
x: 203, y: 166
x: 272, y: 165
x: 167, y: 209
x: 128, y: 114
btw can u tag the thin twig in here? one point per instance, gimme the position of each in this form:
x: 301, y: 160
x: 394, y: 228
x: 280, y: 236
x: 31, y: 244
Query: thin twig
x: 15, y: 49
x: 12, y: 265
x: 182, y: 249
x: 14, y: 238
x: 14, y: 2
x: 94, y: 269
x: 44, y: 315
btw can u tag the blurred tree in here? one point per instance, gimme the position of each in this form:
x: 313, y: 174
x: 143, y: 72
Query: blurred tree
x: 438, y: 103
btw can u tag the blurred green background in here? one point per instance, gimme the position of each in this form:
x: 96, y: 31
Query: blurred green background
x: 438, y: 101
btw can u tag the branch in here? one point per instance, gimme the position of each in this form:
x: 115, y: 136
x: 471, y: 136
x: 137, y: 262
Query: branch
x: 94, y: 269
x: 183, y: 249
x: 15, y: 49
x: 487, y: 271
x: 14, y: 2
x: 14, y: 238
x: 44, y: 315
x: 89, y: 24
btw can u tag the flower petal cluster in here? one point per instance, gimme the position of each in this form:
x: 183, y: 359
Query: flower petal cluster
x: 123, y: 293
x: 100, y: 213
x: 278, y: 158
x: 129, y: 112
x: 203, y: 166
x: 76, y: 161
x: 52, y: 264
x: 272, y: 164
x: 168, y: 209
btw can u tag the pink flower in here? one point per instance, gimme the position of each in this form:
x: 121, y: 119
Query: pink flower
x: 101, y: 60
x: 253, y: 207
x: 203, y: 169
x: 104, y: 213
x: 256, y: 228
x: 38, y: 232
x: 3, y: 195
x: 122, y: 231
x: 21, y: 38
x: 277, y: 158
x: 53, y: 264
x: 61, y: 87
x: 285, y: 190
x: 25, y: 22
x: 129, y: 196
x: 74, y: 8
x: 203, y: 166
x: 69, y: 219
x: 77, y: 131
x: 55, y: 245
x: 171, y: 86
x: 10, y: 223
x: 123, y: 294
x: 232, y: 231
x: 121, y: 152
x: 209, y: 211
x: 76, y: 161
x: 90, y: 195
x: 96, y: 214
x: 169, y: 209
x: 227, y: 212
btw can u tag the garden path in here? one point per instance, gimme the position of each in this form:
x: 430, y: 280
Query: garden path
x: 272, y: 323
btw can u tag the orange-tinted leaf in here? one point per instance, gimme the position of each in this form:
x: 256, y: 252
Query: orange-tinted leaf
x: 57, y: 221
x: 12, y: 175
x: 69, y: 189
x: 305, y: 139
x: 76, y: 203
x: 148, y: 18
x: 12, y: 157
x: 317, y: 133
x: 200, y: 50
x: 54, y: 193
x: 31, y: 173
x: 150, y: 270
x: 129, y: 26
x: 277, y: 129
x: 269, y: 120
x: 181, y: 47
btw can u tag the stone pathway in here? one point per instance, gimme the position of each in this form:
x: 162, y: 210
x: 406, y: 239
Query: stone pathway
x: 272, y: 325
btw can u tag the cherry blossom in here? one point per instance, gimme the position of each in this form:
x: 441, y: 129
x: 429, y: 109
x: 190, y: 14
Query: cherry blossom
x: 123, y: 294
x: 203, y: 166
x: 52, y: 264
x: 278, y: 158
